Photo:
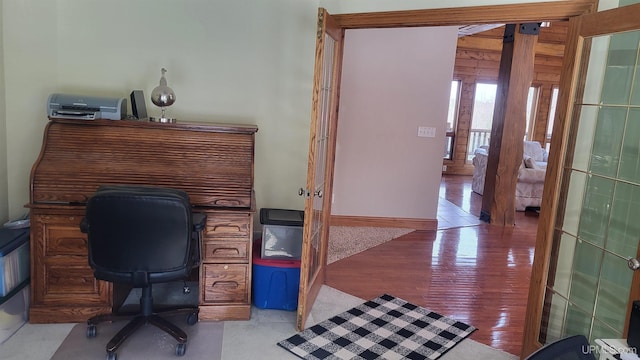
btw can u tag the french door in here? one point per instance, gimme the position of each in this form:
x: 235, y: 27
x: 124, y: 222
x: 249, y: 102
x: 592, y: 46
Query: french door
x: 589, y: 231
x: 324, y: 114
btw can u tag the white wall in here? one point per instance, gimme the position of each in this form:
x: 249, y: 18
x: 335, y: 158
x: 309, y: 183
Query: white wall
x: 227, y: 61
x: 393, y: 81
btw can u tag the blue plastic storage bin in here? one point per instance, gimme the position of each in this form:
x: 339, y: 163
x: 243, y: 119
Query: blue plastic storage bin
x: 275, y: 282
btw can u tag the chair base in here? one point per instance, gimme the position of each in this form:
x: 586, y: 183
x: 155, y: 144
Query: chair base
x: 137, y: 320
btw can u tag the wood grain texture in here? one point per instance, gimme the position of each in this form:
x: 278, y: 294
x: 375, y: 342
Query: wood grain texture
x: 478, y: 274
x: 494, y: 14
x: 509, y: 127
x: 79, y: 156
x: 321, y: 158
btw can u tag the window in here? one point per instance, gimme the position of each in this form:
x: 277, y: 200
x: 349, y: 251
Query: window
x: 483, y: 104
x: 532, y: 106
x: 482, y: 118
x: 452, y: 119
x: 552, y: 115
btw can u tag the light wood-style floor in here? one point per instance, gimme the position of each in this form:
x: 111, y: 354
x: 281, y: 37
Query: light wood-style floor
x: 474, y: 273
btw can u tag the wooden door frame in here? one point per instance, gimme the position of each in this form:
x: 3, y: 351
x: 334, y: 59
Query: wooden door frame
x: 310, y: 285
x: 470, y: 15
x: 515, y: 13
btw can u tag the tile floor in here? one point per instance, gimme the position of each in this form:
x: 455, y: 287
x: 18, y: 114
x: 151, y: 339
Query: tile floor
x: 242, y: 340
x: 451, y: 216
x: 254, y: 339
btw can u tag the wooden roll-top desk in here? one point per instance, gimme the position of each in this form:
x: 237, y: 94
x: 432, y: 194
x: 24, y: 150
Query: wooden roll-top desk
x: 212, y: 163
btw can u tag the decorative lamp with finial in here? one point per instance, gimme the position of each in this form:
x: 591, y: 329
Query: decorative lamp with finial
x: 163, y: 96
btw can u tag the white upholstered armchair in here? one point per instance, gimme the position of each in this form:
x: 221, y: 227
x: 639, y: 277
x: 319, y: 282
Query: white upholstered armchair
x: 530, y: 175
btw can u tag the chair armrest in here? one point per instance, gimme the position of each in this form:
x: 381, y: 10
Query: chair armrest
x: 199, y: 220
x: 527, y: 175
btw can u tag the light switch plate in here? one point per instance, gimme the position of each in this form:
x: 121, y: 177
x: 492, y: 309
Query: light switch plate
x: 426, y: 131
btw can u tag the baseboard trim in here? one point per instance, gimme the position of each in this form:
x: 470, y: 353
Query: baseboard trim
x: 417, y: 224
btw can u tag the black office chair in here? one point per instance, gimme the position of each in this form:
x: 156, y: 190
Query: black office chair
x: 570, y: 348
x: 140, y: 235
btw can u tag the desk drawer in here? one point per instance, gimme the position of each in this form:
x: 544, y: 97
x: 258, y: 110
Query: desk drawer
x: 223, y: 225
x: 224, y: 283
x: 226, y: 251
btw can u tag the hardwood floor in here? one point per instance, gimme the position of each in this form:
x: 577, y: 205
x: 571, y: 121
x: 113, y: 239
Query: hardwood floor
x: 474, y: 273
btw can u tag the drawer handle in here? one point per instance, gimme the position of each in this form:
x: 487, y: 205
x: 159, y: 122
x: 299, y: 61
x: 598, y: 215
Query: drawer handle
x: 226, y: 284
x: 228, y: 202
x: 226, y: 226
x: 225, y: 251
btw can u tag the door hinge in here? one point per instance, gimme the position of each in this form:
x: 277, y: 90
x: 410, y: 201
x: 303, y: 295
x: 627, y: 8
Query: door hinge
x: 320, y: 24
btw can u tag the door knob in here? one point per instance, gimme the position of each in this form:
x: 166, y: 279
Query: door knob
x: 318, y: 193
x: 634, y: 264
x: 303, y: 192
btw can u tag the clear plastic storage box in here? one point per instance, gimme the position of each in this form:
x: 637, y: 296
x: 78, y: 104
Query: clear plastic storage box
x: 281, y: 233
x: 14, y: 310
x: 14, y: 258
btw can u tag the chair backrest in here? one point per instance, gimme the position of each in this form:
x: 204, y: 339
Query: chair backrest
x: 570, y: 348
x: 139, y: 234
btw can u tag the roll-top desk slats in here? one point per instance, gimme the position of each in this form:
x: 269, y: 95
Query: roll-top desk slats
x: 212, y: 163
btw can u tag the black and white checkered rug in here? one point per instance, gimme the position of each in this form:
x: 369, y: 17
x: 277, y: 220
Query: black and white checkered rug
x: 383, y: 328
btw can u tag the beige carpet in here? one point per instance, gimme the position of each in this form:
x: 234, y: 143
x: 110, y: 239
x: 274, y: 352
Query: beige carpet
x: 345, y: 241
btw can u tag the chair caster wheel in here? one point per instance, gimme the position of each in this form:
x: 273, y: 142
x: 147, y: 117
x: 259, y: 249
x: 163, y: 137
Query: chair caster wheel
x: 112, y: 356
x: 92, y: 331
x: 180, y: 349
x: 192, y: 318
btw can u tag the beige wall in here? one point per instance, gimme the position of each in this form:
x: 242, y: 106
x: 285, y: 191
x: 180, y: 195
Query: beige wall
x: 228, y: 61
x: 393, y: 81
x: 4, y: 203
x: 231, y: 61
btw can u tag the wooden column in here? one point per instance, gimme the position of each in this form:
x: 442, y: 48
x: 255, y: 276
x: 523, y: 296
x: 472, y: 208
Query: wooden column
x: 509, y: 123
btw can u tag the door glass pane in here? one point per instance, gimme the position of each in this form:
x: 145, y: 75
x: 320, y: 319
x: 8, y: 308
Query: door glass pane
x: 577, y: 320
x: 630, y: 158
x: 621, y: 64
x: 613, y: 291
x: 624, y: 229
x: 557, y: 309
x: 608, y: 140
x: 603, y: 331
x: 573, y: 209
x: 596, y: 206
x: 566, y: 252
x: 584, y: 278
x: 597, y: 67
x: 586, y: 129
